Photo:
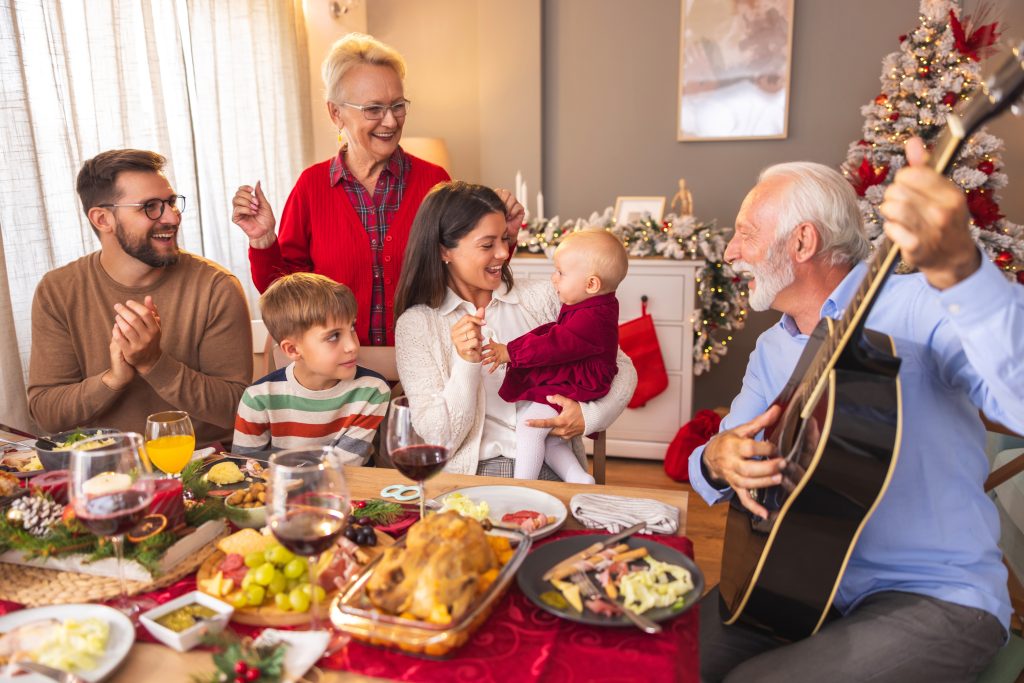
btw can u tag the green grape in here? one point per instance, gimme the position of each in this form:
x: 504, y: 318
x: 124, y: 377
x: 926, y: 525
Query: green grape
x: 278, y: 584
x: 320, y: 592
x: 299, y: 600
x: 295, y: 568
x: 253, y: 560
x: 292, y: 584
x: 264, y: 574
x: 255, y: 594
x: 238, y: 599
x: 283, y: 602
x: 248, y: 579
x: 279, y: 555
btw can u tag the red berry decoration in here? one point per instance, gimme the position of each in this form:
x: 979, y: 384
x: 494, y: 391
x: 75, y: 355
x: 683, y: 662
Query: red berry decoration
x: 252, y: 674
x: 359, y: 504
x: 239, y: 679
x: 882, y: 99
x: 949, y: 99
x: 240, y: 667
x: 923, y: 71
x: 987, y: 167
x: 903, y: 36
x: 1003, y: 259
x: 894, y: 116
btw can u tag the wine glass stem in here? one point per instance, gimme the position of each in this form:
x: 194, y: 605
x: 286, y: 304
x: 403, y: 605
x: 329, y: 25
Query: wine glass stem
x: 314, y: 604
x: 118, y: 542
x: 423, y: 500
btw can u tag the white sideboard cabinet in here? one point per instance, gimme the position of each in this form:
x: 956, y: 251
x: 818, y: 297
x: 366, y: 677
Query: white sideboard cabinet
x: 670, y: 289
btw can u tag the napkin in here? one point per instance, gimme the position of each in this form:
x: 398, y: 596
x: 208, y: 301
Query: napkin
x: 302, y: 649
x: 616, y: 513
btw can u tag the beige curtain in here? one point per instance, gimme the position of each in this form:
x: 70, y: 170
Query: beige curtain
x: 219, y: 87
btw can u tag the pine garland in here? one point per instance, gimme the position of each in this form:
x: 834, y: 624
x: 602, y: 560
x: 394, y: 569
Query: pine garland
x: 721, y: 292
x: 237, y: 657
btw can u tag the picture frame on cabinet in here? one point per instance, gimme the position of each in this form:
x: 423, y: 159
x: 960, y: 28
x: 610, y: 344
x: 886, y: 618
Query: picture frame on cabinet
x: 635, y: 209
x: 734, y: 69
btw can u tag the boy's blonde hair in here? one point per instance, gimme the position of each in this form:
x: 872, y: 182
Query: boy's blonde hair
x: 605, y: 255
x: 297, y: 302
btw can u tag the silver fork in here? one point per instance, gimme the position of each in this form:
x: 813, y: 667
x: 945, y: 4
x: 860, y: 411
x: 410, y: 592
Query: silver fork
x: 590, y: 590
x: 49, y: 672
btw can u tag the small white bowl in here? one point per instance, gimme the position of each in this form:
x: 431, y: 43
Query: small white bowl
x: 190, y: 637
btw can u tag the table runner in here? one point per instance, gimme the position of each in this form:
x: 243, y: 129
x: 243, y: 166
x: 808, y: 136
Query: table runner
x: 521, y: 642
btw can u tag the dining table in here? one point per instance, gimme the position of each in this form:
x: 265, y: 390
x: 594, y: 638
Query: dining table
x: 702, y: 524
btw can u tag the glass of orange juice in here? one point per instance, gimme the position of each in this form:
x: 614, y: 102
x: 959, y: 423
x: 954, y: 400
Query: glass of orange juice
x: 170, y: 440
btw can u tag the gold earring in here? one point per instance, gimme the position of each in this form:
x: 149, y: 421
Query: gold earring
x: 341, y: 138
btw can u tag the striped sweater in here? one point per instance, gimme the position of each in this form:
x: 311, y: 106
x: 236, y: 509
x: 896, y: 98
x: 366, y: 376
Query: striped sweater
x: 277, y: 412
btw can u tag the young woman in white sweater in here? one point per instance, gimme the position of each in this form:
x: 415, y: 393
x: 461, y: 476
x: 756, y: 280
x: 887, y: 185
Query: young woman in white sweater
x: 456, y: 294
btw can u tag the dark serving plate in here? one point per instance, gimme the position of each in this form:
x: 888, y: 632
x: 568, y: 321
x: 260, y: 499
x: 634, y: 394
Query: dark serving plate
x: 550, y: 554
x: 239, y: 460
x: 58, y: 460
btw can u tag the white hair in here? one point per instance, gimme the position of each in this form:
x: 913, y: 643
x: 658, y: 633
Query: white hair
x: 352, y: 49
x: 821, y: 196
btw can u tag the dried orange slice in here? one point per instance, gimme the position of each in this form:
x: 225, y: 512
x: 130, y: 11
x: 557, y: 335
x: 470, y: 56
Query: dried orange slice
x: 148, y: 527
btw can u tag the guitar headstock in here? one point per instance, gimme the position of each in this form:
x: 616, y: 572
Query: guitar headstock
x: 1001, y: 90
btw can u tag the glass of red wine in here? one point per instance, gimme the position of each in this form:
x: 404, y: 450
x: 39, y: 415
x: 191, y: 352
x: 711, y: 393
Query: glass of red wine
x: 307, y: 507
x: 421, y: 445
x: 111, y: 490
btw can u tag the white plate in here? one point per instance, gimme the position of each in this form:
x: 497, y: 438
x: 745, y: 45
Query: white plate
x: 505, y: 499
x: 122, y: 635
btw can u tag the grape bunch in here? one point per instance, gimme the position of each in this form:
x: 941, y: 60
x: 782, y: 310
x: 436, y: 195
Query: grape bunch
x: 277, y: 575
x: 361, y: 534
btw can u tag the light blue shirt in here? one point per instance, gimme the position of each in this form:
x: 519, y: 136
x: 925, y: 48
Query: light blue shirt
x: 962, y: 350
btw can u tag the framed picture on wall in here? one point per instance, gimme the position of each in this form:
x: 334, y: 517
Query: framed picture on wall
x: 734, y: 66
x: 634, y: 209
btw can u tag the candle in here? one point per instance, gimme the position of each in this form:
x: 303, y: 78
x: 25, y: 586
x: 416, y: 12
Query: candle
x: 523, y: 201
x: 540, y: 205
x: 519, y: 187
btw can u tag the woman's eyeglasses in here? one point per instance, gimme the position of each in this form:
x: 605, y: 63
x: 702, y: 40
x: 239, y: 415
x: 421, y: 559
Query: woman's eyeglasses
x: 375, y: 112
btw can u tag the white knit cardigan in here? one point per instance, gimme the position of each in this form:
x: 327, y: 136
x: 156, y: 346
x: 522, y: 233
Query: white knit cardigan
x: 428, y: 364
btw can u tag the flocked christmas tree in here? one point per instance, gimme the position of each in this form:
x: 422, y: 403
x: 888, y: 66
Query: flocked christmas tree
x: 936, y: 66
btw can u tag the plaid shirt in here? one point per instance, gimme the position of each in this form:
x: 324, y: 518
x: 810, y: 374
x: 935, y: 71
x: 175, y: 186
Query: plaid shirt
x: 375, y: 213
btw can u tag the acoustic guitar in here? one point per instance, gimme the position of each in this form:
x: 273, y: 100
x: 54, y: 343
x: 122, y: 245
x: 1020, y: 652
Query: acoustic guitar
x: 839, y: 433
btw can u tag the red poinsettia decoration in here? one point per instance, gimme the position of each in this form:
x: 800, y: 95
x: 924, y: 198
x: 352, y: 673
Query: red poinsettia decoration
x: 868, y: 175
x: 972, y: 42
x: 983, y: 207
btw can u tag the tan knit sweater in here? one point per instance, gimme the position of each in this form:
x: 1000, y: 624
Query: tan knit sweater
x: 206, y: 340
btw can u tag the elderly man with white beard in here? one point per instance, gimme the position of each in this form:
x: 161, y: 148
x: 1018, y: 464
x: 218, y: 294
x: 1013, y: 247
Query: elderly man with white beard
x: 923, y: 596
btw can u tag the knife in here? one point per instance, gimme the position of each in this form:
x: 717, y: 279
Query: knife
x: 566, y: 565
x: 49, y: 672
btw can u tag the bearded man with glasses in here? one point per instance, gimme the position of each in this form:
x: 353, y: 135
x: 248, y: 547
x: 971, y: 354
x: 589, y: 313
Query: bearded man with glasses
x: 139, y: 326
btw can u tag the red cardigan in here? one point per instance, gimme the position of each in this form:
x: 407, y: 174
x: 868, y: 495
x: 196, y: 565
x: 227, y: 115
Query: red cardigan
x: 320, y: 232
x: 573, y: 356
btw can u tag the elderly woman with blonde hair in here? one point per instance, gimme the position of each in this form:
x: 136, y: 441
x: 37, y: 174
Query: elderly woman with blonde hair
x: 349, y: 217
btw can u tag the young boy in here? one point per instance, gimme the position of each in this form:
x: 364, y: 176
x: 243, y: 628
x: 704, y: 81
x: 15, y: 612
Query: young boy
x: 322, y: 396
x: 573, y: 356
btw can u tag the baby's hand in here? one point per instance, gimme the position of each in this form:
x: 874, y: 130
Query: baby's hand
x: 495, y: 354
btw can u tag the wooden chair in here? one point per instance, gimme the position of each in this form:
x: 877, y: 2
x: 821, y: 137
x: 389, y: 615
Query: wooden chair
x: 600, y: 450
x: 381, y: 359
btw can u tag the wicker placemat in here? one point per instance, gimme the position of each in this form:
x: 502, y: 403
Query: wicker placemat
x: 35, y: 586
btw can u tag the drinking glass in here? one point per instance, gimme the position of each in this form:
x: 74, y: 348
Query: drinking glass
x: 111, y: 490
x: 419, y: 455
x: 170, y: 440
x: 307, y: 506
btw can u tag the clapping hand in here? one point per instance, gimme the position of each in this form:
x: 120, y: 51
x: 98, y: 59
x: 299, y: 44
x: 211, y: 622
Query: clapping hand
x: 252, y: 213
x: 466, y: 336
x: 137, y: 333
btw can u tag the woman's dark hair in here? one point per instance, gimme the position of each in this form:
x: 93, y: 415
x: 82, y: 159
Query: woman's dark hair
x: 448, y: 213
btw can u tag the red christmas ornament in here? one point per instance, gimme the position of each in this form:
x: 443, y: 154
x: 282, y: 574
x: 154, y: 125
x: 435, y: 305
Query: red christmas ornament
x: 983, y: 207
x: 863, y: 143
x: 868, y: 175
x: 894, y: 116
x: 240, y: 667
x: 949, y: 99
x: 972, y: 43
x: 1020, y: 277
x: 1003, y: 259
x: 903, y: 36
x: 881, y: 99
x: 923, y: 71
x: 987, y: 167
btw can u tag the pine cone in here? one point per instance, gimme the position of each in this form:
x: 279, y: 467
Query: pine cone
x: 37, y: 514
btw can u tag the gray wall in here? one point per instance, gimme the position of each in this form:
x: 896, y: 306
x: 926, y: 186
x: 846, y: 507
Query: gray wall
x: 610, y: 83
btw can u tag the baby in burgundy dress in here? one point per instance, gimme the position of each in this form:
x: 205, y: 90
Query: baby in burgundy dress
x: 573, y: 356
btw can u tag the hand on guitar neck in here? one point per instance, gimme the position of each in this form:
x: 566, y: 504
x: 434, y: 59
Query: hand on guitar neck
x: 738, y: 459
x: 926, y: 217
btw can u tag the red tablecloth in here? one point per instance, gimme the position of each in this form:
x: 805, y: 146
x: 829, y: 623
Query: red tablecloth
x: 521, y: 642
